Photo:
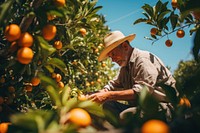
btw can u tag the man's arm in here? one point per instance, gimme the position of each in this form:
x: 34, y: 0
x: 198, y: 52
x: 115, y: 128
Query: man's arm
x: 103, y: 96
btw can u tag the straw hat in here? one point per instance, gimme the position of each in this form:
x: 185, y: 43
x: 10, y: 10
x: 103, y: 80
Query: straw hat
x: 112, y: 40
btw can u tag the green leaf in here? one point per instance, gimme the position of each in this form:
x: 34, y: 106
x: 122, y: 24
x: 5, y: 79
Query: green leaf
x: 173, y: 20
x: 57, y: 63
x: 55, y: 12
x: 148, y: 9
x: 53, y: 92
x: 147, y: 102
x: 4, y: 11
x: 46, y: 48
x: 65, y: 95
x: 91, y: 107
x: 158, y: 7
x: 161, y: 15
x: 32, y: 120
x: 140, y: 20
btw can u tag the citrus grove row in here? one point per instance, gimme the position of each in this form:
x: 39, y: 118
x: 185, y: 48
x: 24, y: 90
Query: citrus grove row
x: 48, y: 66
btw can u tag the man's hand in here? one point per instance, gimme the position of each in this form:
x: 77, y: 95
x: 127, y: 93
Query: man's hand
x: 100, y: 97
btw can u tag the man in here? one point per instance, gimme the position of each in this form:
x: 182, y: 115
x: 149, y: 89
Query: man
x: 137, y: 68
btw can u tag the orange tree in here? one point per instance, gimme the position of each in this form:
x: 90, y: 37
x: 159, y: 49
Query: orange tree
x: 32, y: 58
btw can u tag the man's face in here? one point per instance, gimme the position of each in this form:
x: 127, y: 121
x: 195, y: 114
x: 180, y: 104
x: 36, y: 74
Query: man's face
x: 119, y: 55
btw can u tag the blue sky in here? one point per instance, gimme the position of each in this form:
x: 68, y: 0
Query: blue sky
x: 120, y: 15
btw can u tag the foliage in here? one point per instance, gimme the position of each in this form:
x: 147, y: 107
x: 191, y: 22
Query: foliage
x: 168, y: 19
x: 76, y: 61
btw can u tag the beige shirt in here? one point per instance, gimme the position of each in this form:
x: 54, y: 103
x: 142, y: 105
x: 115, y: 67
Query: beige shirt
x: 143, y: 68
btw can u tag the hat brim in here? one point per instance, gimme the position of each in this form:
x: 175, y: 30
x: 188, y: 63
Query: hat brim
x: 104, y: 54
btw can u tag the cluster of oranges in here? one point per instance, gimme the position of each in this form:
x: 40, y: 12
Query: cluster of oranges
x: 35, y: 81
x: 180, y: 34
x: 23, y: 40
x: 58, y: 79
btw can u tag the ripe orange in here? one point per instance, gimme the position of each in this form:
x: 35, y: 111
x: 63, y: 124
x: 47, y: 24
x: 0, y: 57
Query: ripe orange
x: 25, y: 40
x: 35, y: 81
x: 59, y: 2
x: 155, y: 126
x: 1, y: 100
x: 50, y: 16
x: 174, y: 3
x: 49, y: 32
x: 58, y: 77
x: 83, y: 31
x: 92, y: 83
x: 96, y: 50
x: 80, y: 117
x: 53, y: 75
x: 99, y: 80
x: 25, y: 55
x: 2, y: 80
x: 12, y: 32
x: 153, y: 31
x: 168, y: 43
x: 103, y: 64
x: 57, y: 44
x: 4, y: 127
x: 184, y: 102
x: 180, y: 33
x: 82, y: 97
x: 28, y: 88
x: 11, y: 89
x: 61, y: 84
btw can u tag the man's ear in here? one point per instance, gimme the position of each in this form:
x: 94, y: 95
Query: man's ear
x: 125, y: 45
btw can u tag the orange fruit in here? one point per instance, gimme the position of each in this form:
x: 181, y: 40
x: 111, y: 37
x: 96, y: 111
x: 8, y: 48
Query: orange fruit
x: 103, y: 64
x: 1, y: 100
x: 28, y: 88
x: 155, y: 126
x: 25, y: 55
x: 2, y: 80
x: 58, y: 77
x: 92, y: 83
x: 184, y: 102
x: 12, y: 32
x: 35, y: 81
x: 96, y: 50
x: 50, y: 16
x: 49, y: 32
x: 168, y: 43
x: 11, y: 89
x: 61, y: 84
x: 180, y: 33
x: 57, y: 44
x: 174, y: 3
x: 82, y: 97
x: 25, y: 40
x: 83, y: 31
x: 153, y: 31
x: 80, y: 117
x: 53, y: 75
x: 99, y: 80
x: 59, y: 2
x: 4, y: 127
